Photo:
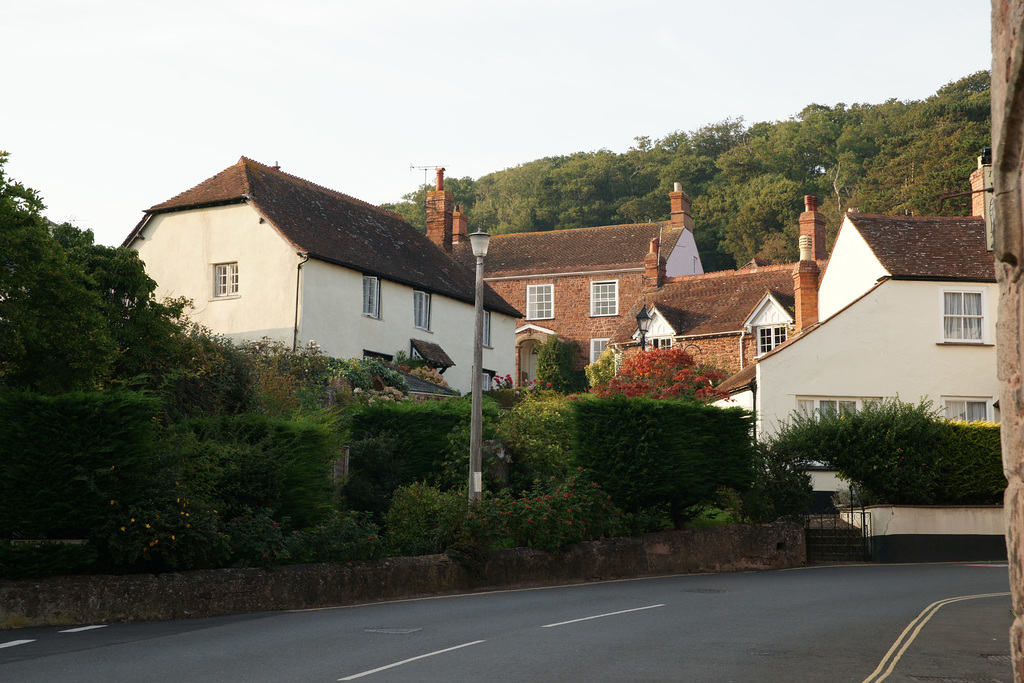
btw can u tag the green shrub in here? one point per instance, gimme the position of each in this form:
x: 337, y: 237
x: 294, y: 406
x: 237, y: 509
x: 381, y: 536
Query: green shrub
x: 70, y: 461
x: 538, y: 436
x: 556, y: 366
x: 970, y: 464
x: 375, y: 471
x: 647, y: 452
x: 254, y: 461
x: 556, y: 513
x: 343, y: 537
x: 889, y: 448
x: 256, y: 539
x: 601, y: 370
x: 421, y: 429
x: 34, y: 560
x: 781, y: 488
x: 423, y: 519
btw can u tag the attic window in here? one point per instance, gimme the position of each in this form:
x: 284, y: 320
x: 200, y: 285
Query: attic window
x: 225, y: 280
x: 769, y: 337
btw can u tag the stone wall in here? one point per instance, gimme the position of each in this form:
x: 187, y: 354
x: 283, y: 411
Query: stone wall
x: 99, y: 599
x: 1008, y: 181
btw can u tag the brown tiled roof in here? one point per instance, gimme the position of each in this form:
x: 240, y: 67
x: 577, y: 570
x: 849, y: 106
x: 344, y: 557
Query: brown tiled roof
x: 741, y: 381
x: 713, y: 303
x: 432, y: 353
x: 933, y: 248
x: 334, y: 227
x: 611, y: 247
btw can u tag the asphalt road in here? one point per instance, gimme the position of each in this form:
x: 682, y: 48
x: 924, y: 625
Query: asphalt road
x: 864, y: 623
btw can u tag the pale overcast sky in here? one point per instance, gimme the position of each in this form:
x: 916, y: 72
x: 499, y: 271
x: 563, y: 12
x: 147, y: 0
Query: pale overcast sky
x: 112, y: 106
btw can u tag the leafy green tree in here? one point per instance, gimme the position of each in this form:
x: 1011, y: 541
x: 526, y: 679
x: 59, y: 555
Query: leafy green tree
x: 556, y: 365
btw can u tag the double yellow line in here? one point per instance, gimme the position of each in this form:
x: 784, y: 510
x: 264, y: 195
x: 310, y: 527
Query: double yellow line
x: 888, y: 663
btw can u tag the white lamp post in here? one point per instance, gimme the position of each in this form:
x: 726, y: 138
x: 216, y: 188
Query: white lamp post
x: 478, y: 242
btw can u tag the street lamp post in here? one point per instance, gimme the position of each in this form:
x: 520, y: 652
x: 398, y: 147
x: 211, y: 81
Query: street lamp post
x: 643, y: 323
x: 478, y: 242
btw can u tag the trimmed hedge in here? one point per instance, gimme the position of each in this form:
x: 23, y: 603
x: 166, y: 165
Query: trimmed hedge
x: 647, y: 452
x: 68, y: 459
x: 970, y: 470
x: 421, y: 430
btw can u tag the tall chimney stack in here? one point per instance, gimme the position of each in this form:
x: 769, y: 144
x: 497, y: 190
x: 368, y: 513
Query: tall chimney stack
x: 439, y: 214
x: 460, y: 224
x: 654, y: 266
x: 812, y: 224
x: 680, y: 207
x: 805, y: 285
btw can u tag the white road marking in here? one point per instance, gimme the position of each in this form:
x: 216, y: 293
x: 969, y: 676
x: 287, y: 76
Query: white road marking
x: 880, y: 674
x: 406, y: 661
x: 83, y: 628
x: 12, y: 643
x: 601, y: 616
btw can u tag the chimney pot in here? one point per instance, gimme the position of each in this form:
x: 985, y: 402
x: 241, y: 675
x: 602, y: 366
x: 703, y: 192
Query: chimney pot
x: 440, y: 179
x: 810, y: 203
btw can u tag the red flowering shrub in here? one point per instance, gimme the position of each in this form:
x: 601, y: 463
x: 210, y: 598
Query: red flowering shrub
x: 663, y: 373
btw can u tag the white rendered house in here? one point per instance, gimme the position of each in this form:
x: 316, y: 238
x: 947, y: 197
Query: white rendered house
x: 907, y: 309
x: 262, y: 253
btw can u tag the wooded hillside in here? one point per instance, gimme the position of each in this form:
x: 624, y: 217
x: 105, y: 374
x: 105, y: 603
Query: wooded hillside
x: 747, y: 182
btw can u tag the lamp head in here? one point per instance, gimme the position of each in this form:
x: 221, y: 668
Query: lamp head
x: 478, y: 242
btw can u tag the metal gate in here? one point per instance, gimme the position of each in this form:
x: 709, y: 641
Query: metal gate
x: 840, y: 536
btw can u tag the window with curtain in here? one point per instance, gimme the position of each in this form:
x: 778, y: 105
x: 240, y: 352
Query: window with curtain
x: 962, y: 316
x: 965, y: 409
x: 371, y: 296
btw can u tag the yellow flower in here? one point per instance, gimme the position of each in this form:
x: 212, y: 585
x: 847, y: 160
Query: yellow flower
x: 133, y: 519
x: 172, y: 537
x: 147, y: 526
x: 111, y: 502
x: 122, y: 528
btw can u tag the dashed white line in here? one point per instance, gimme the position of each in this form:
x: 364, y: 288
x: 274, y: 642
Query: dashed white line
x: 406, y: 661
x: 600, y: 616
x: 12, y: 643
x: 83, y: 628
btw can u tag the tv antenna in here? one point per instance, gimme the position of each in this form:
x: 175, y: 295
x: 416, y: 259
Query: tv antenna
x: 425, y: 169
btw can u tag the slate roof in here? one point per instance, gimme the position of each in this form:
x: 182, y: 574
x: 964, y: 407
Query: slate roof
x: 418, y: 385
x: 336, y: 228
x: 713, y: 303
x: 932, y: 248
x: 610, y: 247
x: 432, y: 353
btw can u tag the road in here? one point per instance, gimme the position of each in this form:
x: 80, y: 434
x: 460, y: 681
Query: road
x: 863, y: 623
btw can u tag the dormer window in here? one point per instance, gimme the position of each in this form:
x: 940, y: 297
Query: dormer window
x: 768, y: 337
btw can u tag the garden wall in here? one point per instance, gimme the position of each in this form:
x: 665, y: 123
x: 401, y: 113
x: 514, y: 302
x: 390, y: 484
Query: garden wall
x: 98, y: 599
x: 935, y: 533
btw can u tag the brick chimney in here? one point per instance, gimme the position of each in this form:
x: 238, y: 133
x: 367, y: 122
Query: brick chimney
x: 805, y: 284
x: 460, y: 225
x: 981, y: 179
x: 812, y: 224
x: 654, y: 266
x: 439, y: 214
x: 680, y: 203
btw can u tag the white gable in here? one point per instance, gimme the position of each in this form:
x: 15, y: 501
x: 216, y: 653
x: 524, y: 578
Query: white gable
x: 852, y: 270
x: 684, y: 259
x: 659, y: 327
x: 768, y: 312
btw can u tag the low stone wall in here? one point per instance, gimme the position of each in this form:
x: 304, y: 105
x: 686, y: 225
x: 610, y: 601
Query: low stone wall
x: 97, y: 599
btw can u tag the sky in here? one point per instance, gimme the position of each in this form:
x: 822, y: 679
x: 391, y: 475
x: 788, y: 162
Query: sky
x: 112, y: 106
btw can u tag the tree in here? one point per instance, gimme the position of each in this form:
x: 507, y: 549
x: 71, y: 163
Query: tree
x: 663, y: 374
x: 556, y: 365
x: 73, y: 314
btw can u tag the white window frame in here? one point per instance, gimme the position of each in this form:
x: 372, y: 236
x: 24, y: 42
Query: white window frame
x: 597, y: 347
x: 952, y: 333
x: 604, y: 298
x: 225, y: 280
x: 421, y: 310
x: 828, y: 405
x: 660, y: 342
x: 950, y: 403
x: 540, y: 302
x: 487, y: 379
x: 371, y: 296
x: 773, y: 340
x: 487, y: 329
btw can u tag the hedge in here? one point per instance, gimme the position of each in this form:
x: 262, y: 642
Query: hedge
x: 647, y: 452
